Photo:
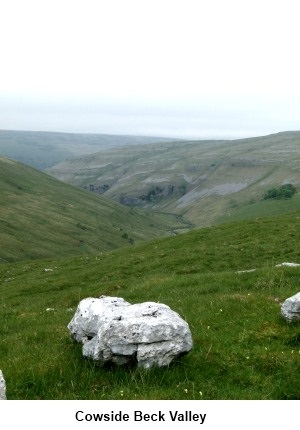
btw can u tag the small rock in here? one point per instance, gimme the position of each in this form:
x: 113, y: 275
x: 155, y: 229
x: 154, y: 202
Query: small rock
x: 246, y: 271
x: 290, y: 309
x: 2, y: 387
x: 287, y: 264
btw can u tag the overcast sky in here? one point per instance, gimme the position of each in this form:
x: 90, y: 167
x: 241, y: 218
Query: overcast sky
x: 178, y: 68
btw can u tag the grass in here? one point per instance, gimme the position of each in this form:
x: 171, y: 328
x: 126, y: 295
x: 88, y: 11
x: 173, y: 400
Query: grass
x: 243, y: 349
x: 261, y: 208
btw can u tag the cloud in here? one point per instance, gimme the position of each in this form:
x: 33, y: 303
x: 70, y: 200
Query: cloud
x: 207, y: 118
x: 193, y: 68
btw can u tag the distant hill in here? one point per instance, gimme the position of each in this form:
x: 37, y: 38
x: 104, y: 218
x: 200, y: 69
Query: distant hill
x: 41, y: 217
x: 206, y: 181
x: 44, y: 149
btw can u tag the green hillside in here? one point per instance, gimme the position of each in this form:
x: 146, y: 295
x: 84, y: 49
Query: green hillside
x: 42, y: 217
x: 261, y: 208
x: 203, y: 180
x: 242, y: 347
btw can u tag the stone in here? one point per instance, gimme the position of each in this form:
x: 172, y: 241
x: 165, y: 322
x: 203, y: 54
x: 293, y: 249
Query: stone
x: 286, y: 264
x: 115, y: 331
x: 2, y: 387
x: 290, y: 309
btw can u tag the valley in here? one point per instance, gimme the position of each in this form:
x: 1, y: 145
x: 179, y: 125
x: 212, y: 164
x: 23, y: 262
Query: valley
x: 41, y: 217
x: 204, y: 181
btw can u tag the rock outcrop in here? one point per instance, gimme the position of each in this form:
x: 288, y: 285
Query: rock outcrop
x: 2, y: 387
x: 115, y: 331
x: 290, y: 309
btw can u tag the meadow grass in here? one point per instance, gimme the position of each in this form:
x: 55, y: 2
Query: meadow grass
x: 260, y: 208
x: 243, y: 349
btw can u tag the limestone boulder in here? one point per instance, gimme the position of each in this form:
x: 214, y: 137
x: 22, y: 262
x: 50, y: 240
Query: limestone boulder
x: 290, y: 309
x: 147, y: 334
x: 2, y: 387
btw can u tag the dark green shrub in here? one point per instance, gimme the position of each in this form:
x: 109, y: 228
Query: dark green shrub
x: 285, y: 191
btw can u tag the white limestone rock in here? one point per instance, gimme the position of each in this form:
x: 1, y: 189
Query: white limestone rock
x: 286, y: 264
x: 85, y: 323
x: 290, y: 309
x: 114, y: 331
x: 2, y: 387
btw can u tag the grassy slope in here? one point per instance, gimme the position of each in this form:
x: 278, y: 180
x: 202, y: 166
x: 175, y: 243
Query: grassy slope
x: 209, y: 178
x: 262, y: 208
x: 242, y: 347
x: 43, y: 217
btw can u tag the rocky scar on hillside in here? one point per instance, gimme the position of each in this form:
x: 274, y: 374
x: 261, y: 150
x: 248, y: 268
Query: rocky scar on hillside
x: 153, y: 194
x: 150, y: 195
x: 112, y: 330
x: 99, y: 189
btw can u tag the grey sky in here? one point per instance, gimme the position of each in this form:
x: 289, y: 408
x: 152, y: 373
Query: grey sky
x: 191, y: 68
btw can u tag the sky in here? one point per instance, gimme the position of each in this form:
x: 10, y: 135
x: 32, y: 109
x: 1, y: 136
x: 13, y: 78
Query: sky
x: 179, y: 68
